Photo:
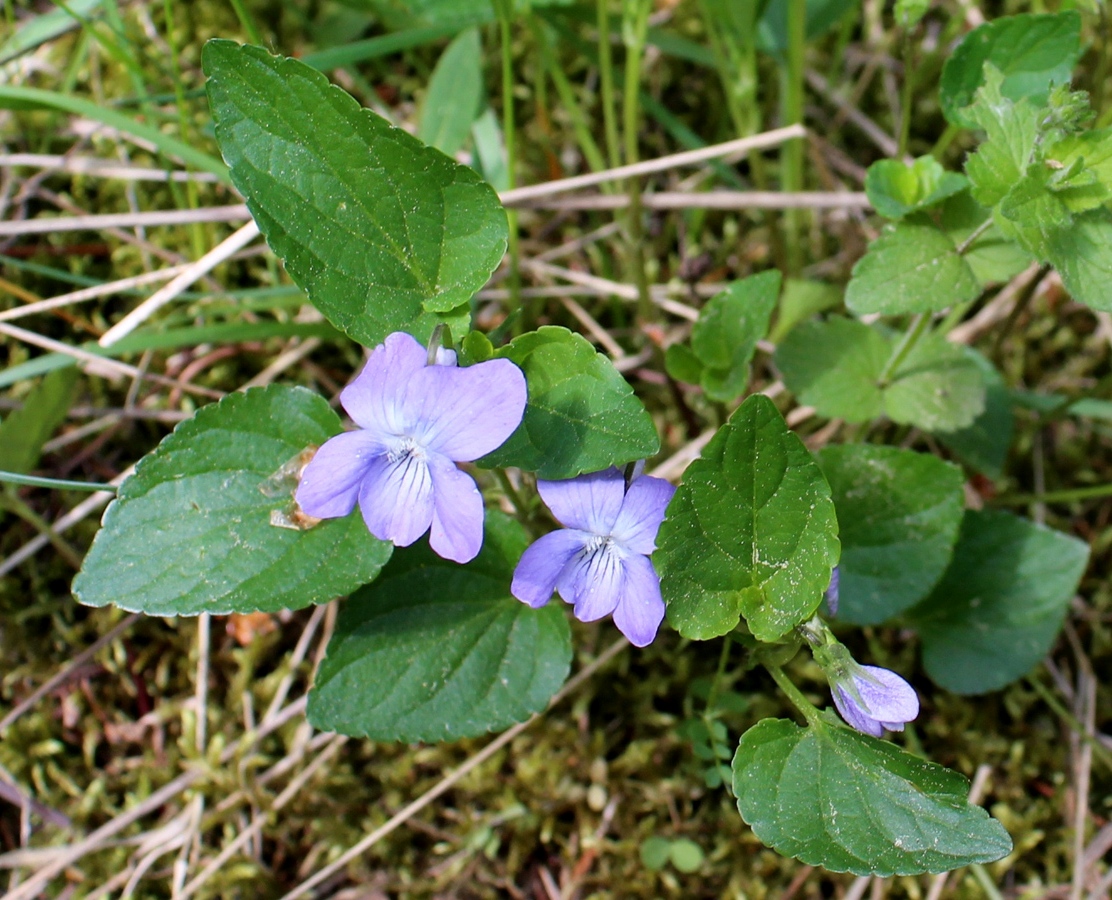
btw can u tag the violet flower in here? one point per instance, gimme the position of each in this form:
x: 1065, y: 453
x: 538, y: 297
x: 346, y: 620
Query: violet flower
x: 416, y: 421
x: 872, y: 699
x: 831, y: 595
x: 599, y: 561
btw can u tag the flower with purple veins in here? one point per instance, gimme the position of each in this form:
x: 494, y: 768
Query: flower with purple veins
x: 872, y: 699
x: 599, y: 562
x: 416, y: 421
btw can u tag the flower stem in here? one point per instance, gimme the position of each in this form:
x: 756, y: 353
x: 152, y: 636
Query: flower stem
x: 806, y: 707
x: 606, y: 86
x: 1069, y: 495
x: 917, y: 329
x: 791, y: 158
x: 55, y: 483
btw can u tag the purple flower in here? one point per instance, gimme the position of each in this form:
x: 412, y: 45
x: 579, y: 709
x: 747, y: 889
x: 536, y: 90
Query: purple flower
x: 599, y: 561
x: 831, y: 595
x: 416, y: 422
x: 872, y: 699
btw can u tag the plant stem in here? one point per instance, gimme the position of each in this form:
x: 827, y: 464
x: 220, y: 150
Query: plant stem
x: 247, y: 22
x: 805, y: 706
x: 54, y: 483
x: 708, y: 709
x: 1068, y: 495
x: 791, y: 157
x: 976, y: 233
x: 508, y: 133
x: 906, y: 95
x: 917, y: 329
x: 635, y: 23
x: 11, y: 502
x: 606, y: 86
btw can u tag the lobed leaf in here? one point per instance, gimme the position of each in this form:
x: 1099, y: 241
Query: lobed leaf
x: 999, y: 607
x: 899, y: 514
x: 434, y: 651
x: 190, y: 531
x: 751, y: 531
x: 382, y: 232
x: 582, y: 415
x: 848, y: 802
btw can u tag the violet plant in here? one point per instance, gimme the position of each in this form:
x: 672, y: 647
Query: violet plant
x: 456, y: 636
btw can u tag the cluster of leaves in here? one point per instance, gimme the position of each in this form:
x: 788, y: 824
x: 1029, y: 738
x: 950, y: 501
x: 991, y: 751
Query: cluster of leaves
x: 387, y: 234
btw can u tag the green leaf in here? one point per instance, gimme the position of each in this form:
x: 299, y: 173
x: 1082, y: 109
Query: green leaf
x: 1092, y: 151
x: 681, y: 363
x: 801, y: 300
x: 992, y: 256
x: 655, y: 852
x: 895, y: 188
x: 383, y: 233
x: 1012, y: 132
x: 912, y: 267
x: 686, y: 855
x: 1032, y: 53
x: 435, y: 651
x: 582, y: 415
x: 898, y: 516
x: 190, y: 531
x: 822, y: 16
x: 454, y: 94
x: 999, y: 607
x: 848, y: 802
x: 751, y: 531
x: 836, y: 367
x: 24, y: 432
x: 727, y: 331
x: 984, y: 445
x: 1082, y: 254
x: 937, y: 387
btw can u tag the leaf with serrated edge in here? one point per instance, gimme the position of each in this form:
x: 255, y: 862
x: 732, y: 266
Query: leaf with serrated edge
x: 582, y: 415
x: 999, y: 607
x: 190, y: 531
x: 937, y: 387
x: 383, y: 233
x: 751, y: 531
x: 913, y: 267
x: 1082, y: 254
x: 434, y: 651
x: 899, y: 513
x: 848, y: 802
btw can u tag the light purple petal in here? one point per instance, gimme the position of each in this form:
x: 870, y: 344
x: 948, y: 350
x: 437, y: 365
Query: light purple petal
x: 641, y: 609
x: 330, y: 483
x: 457, y: 518
x: 396, y: 499
x: 587, y: 502
x: 831, y: 594
x: 466, y: 413
x: 886, y: 701
x: 887, y: 697
x: 593, y: 583
x: 445, y: 357
x: 642, y: 512
x: 853, y: 714
x: 542, y: 563
x: 383, y: 397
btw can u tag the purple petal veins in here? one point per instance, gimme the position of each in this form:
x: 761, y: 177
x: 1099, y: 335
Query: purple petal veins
x: 599, y: 562
x: 416, y: 422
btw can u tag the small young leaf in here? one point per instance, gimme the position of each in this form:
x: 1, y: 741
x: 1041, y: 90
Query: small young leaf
x: 1082, y: 254
x: 1012, y: 132
x: 1092, y: 150
x: 686, y: 855
x: 434, y: 651
x: 24, y: 432
x: 999, y: 607
x: 454, y: 94
x: 899, y: 514
x: 191, y: 531
x: 912, y: 267
x: 727, y: 332
x: 681, y: 363
x: 984, y: 445
x: 582, y: 414
x: 751, y: 531
x: 1032, y: 53
x: 896, y: 189
x: 832, y: 797
x: 382, y: 232
x: 655, y: 852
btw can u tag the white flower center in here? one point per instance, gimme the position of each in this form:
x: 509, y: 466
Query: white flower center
x: 405, y: 449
